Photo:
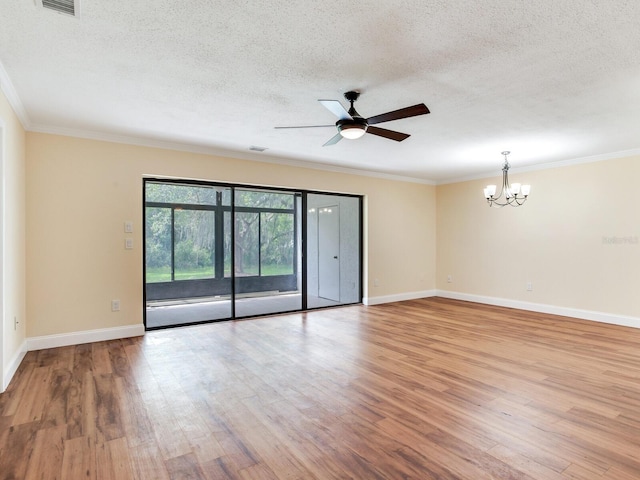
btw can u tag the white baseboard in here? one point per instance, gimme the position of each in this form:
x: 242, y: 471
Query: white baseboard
x: 602, y: 317
x: 87, y: 336
x: 399, y: 297
x: 12, y: 367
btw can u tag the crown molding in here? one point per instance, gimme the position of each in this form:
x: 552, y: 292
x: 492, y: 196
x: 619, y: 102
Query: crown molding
x: 293, y: 162
x: 221, y: 152
x: 12, y: 97
x: 549, y: 165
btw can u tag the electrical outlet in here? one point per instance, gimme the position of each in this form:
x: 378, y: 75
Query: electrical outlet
x: 115, y: 305
x: 449, y: 278
x: 529, y: 286
x: 376, y: 282
x: 15, y: 323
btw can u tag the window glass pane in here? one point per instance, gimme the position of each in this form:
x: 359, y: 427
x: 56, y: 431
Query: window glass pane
x: 158, y: 244
x: 247, y: 244
x: 174, y: 193
x: 276, y: 244
x: 226, y: 197
x: 194, y: 244
x: 333, y: 250
x: 262, y: 199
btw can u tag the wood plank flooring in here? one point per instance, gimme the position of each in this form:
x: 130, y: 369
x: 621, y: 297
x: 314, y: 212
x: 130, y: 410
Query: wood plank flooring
x: 425, y: 389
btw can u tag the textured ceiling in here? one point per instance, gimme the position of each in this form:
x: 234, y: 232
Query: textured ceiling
x: 549, y: 80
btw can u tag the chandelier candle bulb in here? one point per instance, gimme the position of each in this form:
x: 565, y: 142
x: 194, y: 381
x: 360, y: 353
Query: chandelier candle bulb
x: 525, y: 190
x: 490, y: 191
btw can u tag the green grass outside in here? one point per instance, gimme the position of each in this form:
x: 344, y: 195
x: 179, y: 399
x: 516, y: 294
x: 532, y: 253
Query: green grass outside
x: 163, y: 274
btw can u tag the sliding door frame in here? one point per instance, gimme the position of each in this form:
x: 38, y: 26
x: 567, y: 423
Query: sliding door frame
x: 303, y: 193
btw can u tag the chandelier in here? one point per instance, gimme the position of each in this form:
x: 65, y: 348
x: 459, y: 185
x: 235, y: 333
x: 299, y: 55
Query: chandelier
x: 514, y: 194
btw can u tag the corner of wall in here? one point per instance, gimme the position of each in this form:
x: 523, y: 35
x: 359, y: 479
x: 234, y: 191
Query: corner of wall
x: 12, y: 366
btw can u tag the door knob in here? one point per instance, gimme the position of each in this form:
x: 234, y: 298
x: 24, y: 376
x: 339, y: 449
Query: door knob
x: 335, y: 256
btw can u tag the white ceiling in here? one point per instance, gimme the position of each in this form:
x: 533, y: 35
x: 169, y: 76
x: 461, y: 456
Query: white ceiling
x: 550, y: 80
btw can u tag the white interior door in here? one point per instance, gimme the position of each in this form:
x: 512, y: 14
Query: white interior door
x: 329, y: 252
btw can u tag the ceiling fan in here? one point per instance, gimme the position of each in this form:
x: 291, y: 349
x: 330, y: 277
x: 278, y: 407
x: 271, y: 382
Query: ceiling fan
x: 352, y: 125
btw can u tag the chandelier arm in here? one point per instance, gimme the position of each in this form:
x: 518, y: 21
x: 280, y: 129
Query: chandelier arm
x: 514, y: 201
x: 495, y: 202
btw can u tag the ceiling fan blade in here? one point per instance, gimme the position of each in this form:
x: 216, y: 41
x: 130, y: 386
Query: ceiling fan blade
x: 390, y: 134
x: 335, y: 107
x: 406, y: 112
x: 310, y: 126
x: 333, y: 140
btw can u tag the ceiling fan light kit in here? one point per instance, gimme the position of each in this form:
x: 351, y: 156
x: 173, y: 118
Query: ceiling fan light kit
x: 352, y: 129
x: 515, y: 194
x: 352, y: 125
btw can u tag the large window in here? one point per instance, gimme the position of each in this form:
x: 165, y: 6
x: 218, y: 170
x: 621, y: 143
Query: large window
x: 265, y: 233
x: 181, y: 226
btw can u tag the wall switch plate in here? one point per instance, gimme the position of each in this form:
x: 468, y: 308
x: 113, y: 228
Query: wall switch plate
x: 128, y: 226
x: 128, y: 243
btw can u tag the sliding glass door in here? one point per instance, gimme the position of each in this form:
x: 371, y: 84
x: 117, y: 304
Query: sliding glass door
x: 333, y: 250
x: 187, y: 254
x: 215, y: 252
x: 266, y: 258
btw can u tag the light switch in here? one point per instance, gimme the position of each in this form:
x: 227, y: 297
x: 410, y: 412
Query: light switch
x: 128, y: 243
x: 128, y: 227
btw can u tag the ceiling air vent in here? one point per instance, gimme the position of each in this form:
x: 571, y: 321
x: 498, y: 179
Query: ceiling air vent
x: 67, y: 7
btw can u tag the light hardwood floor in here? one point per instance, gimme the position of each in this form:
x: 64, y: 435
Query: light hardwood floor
x: 426, y: 389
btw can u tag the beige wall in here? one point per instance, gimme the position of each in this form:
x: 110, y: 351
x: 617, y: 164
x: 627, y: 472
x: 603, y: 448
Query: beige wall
x: 80, y: 192
x: 554, y: 241
x: 12, y: 203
